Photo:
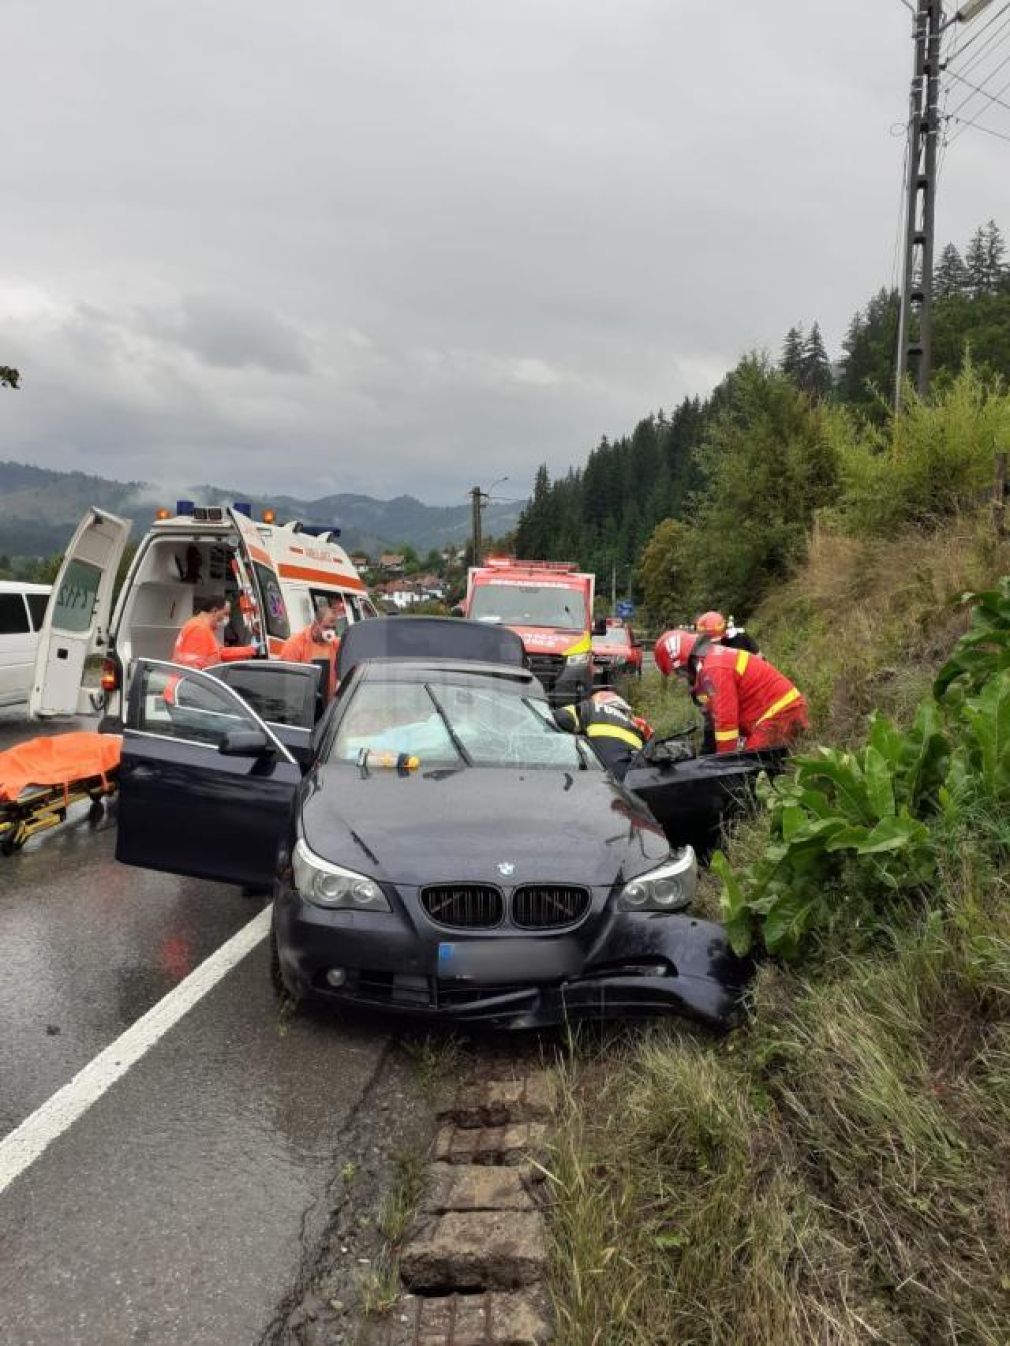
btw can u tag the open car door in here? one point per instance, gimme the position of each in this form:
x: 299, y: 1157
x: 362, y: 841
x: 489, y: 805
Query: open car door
x: 205, y: 786
x: 77, y: 618
x: 288, y: 698
x: 693, y: 798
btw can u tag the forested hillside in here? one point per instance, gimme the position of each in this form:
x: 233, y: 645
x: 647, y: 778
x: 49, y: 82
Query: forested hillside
x: 712, y: 502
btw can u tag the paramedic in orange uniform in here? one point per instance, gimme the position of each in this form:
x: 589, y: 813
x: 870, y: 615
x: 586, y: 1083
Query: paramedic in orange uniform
x: 197, y: 645
x: 318, y: 640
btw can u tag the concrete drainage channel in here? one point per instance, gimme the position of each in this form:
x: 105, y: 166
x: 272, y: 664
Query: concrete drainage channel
x: 473, y: 1265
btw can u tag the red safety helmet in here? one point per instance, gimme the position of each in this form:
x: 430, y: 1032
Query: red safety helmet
x: 673, y: 650
x: 711, y: 624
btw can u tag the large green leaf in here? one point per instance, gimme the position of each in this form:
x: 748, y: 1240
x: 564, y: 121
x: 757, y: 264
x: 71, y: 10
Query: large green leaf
x: 838, y: 774
x: 788, y: 921
x: 879, y: 786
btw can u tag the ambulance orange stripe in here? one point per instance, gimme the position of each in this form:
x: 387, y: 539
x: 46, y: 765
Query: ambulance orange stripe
x: 328, y: 577
x: 258, y: 554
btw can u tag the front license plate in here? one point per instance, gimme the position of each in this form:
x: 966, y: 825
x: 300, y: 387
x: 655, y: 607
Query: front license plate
x: 490, y: 961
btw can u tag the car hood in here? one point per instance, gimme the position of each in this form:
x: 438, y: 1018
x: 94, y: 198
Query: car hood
x: 552, y: 825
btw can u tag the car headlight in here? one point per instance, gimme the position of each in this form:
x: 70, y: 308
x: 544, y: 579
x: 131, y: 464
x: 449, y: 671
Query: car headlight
x: 670, y: 887
x: 577, y: 660
x: 329, y: 885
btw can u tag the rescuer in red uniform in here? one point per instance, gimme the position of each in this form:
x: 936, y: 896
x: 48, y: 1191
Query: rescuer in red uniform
x: 197, y: 646
x: 717, y: 628
x: 746, y: 697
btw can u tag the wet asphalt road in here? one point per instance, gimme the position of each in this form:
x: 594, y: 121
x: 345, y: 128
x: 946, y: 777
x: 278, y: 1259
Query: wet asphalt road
x: 183, y: 1205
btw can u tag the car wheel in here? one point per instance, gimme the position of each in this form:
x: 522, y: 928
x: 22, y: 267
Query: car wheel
x: 289, y: 1000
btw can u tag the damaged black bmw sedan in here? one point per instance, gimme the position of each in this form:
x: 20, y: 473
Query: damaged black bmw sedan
x: 437, y: 845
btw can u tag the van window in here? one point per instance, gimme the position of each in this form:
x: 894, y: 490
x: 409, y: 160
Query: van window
x: 334, y: 600
x: 367, y: 610
x: 13, y: 615
x: 37, y: 604
x: 275, y: 614
x: 77, y: 597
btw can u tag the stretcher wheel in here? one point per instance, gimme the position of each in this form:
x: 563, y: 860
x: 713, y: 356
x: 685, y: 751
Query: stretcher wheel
x: 11, y: 841
x: 96, y: 812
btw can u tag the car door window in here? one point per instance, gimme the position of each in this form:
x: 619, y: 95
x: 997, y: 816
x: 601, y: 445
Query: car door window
x: 175, y: 704
x: 13, y: 615
x: 279, y: 693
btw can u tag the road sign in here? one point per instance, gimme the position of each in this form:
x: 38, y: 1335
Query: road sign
x: 625, y: 608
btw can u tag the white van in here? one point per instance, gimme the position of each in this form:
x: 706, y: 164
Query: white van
x: 22, y: 615
x: 272, y: 574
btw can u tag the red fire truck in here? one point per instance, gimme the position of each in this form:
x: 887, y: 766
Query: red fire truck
x: 549, y: 604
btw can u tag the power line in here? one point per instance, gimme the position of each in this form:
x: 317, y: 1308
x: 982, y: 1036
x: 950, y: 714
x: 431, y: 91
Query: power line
x: 969, y: 97
x: 976, y: 35
x: 990, y: 99
x: 976, y: 126
x: 996, y: 41
x: 993, y: 98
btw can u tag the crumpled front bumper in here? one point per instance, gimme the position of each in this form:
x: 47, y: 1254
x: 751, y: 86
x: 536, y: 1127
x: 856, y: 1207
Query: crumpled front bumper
x: 642, y: 964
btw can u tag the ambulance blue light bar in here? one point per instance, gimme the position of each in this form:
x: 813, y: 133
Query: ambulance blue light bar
x: 242, y: 507
x: 318, y: 529
x: 184, y: 507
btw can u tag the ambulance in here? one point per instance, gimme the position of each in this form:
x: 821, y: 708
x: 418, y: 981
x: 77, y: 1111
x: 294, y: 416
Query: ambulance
x: 272, y: 574
x: 549, y: 604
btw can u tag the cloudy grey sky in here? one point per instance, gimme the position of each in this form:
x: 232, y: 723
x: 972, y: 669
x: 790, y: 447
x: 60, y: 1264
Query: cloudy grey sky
x: 407, y: 245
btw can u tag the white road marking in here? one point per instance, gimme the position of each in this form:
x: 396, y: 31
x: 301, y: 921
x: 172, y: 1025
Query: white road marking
x: 26, y: 1142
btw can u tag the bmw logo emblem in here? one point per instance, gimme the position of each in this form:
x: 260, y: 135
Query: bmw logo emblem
x: 506, y: 869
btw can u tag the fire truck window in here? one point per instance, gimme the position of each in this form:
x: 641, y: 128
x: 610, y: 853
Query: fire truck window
x: 275, y: 614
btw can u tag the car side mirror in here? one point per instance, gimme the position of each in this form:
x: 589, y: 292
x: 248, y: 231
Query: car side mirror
x: 600, y: 626
x: 245, y: 743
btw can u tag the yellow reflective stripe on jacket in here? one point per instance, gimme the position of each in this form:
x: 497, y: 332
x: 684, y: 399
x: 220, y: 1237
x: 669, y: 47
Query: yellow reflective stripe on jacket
x: 614, y: 731
x: 742, y: 660
x: 783, y: 701
x: 573, y: 711
x: 725, y: 735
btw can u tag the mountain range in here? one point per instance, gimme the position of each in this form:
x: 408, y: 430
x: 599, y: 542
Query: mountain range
x: 40, y: 508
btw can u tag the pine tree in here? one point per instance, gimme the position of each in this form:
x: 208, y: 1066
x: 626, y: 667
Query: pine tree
x: 815, y: 368
x: 976, y: 260
x: 791, y: 362
x: 995, y: 251
x: 950, y: 278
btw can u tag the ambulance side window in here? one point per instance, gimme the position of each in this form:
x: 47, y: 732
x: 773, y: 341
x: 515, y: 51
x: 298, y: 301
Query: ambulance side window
x: 275, y: 614
x: 338, y: 601
x: 367, y: 610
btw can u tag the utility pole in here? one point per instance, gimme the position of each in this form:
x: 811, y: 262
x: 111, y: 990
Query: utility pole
x: 478, y: 497
x: 920, y: 205
x: 915, y: 317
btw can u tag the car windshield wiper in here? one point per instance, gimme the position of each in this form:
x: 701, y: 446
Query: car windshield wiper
x: 456, y: 741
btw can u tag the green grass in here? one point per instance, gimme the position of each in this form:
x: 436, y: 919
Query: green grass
x: 837, y: 1172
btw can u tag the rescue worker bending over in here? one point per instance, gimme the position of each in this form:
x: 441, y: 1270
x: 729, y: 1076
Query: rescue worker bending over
x: 197, y: 645
x: 717, y: 628
x: 746, y: 697
x: 607, y: 721
x: 318, y: 640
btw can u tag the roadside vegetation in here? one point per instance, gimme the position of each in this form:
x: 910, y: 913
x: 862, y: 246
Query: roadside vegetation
x: 837, y: 1169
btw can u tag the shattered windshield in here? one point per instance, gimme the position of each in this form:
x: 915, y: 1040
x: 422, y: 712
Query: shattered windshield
x: 529, y: 605
x: 452, y: 724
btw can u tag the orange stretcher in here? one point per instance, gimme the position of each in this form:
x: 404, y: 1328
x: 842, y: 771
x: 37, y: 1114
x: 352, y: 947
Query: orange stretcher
x: 41, y: 779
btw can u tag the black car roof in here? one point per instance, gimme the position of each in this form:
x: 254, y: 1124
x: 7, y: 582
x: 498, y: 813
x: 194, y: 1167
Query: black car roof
x: 428, y: 638
x: 418, y: 670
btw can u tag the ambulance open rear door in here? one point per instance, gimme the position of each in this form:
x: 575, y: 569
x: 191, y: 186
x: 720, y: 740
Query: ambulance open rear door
x: 77, y: 619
